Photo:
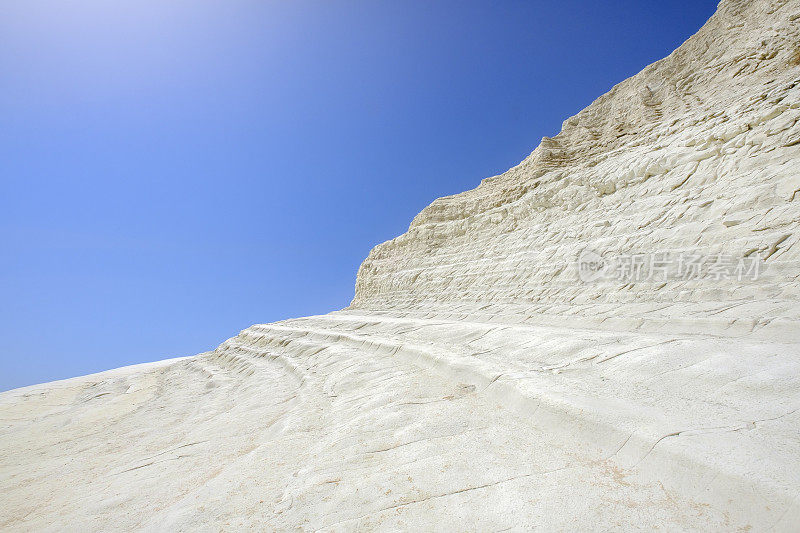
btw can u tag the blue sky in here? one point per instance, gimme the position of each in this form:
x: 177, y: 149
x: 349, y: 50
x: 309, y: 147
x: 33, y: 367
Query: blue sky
x: 173, y: 172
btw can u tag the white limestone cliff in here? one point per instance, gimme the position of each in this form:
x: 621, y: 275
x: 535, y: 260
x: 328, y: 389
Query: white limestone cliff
x: 480, y: 381
x: 697, y: 152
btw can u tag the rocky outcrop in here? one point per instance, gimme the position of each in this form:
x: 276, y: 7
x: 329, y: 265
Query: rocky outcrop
x: 698, y: 153
x: 607, y: 336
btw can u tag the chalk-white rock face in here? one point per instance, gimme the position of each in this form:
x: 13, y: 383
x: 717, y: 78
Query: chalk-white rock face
x: 607, y: 336
x: 696, y: 154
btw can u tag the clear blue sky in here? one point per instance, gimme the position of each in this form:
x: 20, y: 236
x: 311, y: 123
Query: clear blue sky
x: 175, y: 171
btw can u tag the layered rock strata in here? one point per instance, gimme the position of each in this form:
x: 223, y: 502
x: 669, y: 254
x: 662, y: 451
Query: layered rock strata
x: 607, y: 336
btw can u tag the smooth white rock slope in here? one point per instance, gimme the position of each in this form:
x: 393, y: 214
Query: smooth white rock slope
x: 479, y: 381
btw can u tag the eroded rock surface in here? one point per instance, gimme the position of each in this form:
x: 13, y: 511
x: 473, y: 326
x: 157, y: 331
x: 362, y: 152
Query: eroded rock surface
x: 480, y: 380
